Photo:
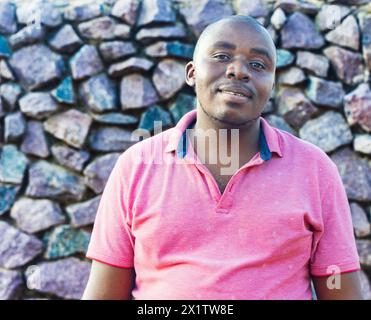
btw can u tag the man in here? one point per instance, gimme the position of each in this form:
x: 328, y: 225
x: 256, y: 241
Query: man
x: 192, y: 226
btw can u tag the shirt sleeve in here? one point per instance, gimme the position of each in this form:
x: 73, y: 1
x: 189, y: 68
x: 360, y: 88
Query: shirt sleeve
x: 112, y: 241
x: 334, y: 249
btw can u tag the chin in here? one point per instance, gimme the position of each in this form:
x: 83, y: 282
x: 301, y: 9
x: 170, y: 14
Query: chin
x: 234, y: 118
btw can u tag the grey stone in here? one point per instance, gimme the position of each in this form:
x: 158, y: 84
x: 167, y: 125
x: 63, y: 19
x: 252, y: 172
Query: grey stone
x: 67, y: 278
x: 346, y: 34
x: 291, y: 6
x: 284, y: 58
x: 355, y: 173
x: 169, y: 77
x: 5, y: 71
x: 110, y: 139
x: 364, y: 252
x: 278, y: 18
x: 316, y: 63
x: 33, y: 216
x: 82, y: 12
x: 253, y: 8
x: 300, y: 32
x: 64, y: 241
x: 17, y: 248
x: 13, y: 164
x: 365, y: 285
x: 10, y: 92
x: 86, y: 62
x: 14, y: 127
x: 145, y: 93
x: 38, y: 105
x: 156, y: 11
x: 39, y: 12
x: 280, y: 123
x: 329, y: 131
x: 11, y: 284
x: 114, y: 50
x: 64, y: 93
x: 83, y: 213
x: 148, y: 35
x: 170, y: 49
x: 101, y: 28
x: 152, y: 114
x: 130, y: 65
x: 28, y: 35
x: 362, y: 143
x: 36, y: 66
x: 99, y: 93
x: 365, y: 25
x: 5, y: 50
x: 347, y: 64
x: 115, y: 118
x: 69, y: 157
x: 324, y: 92
x: 330, y: 16
x: 361, y: 225
x: 97, y: 172
x: 48, y: 180
x: 8, y: 193
x: 71, y: 126
x: 122, y: 31
x: 65, y: 40
x: 35, y: 142
x: 8, y: 21
x: 357, y: 106
x: 291, y: 76
x: 183, y: 104
x: 126, y: 10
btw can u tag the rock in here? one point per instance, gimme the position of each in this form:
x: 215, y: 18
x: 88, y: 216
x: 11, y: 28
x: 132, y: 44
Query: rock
x: 199, y: 14
x: 291, y: 76
x: 10, y: 92
x: 11, y: 284
x: 101, y: 28
x: 82, y: 12
x: 64, y: 93
x: 254, y: 8
x: 316, y: 63
x: 183, y: 104
x: 362, y: 143
x: 99, y: 93
x: 33, y: 216
x: 329, y: 131
x: 64, y: 241
x: 69, y: 157
x: 39, y: 12
x: 294, y: 107
x: 152, y: 114
x: 347, y: 64
x: 364, y: 252
x: 66, y: 278
x: 86, y: 62
x: 115, y: 50
x: 28, y: 35
x: 126, y: 10
x: 36, y: 66
x: 325, y: 93
x: 65, y: 40
x: 145, y: 92
x: 330, y: 16
x: 17, y: 248
x: 300, y: 32
x: 155, y: 11
x: 71, y: 126
x: 48, y: 180
x: 168, y: 77
x: 115, y: 118
x: 5, y: 71
x: 284, y: 58
x: 170, y: 49
x: 8, y: 21
x: 346, y: 34
x: 357, y: 106
x: 361, y: 225
x: 278, y: 18
x: 5, y: 51
x: 110, y: 139
x: 291, y: 6
x: 13, y: 164
x: 280, y: 123
x: 83, y: 213
x: 97, y: 172
x: 14, y: 127
x: 355, y: 173
x: 34, y: 142
x: 365, y: 286
x: 131, y: 65
x: 365, y: 25
x: 38, y: 105
x: 164, y: 33
x: 8, y: 194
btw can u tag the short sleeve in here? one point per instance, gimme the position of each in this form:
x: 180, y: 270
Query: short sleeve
x: 111, y: 240
x: 334, y: 248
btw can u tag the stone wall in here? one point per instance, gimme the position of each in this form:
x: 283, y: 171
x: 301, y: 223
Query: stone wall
x: 78, y: 79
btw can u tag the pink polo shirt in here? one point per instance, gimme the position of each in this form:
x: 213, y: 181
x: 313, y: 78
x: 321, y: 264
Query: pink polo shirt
x: 280, y: 220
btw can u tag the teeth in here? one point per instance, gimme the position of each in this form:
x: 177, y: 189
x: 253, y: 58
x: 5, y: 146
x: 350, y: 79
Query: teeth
x: 234, y: 93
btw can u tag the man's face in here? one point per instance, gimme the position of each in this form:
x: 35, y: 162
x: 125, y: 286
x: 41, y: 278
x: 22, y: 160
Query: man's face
x: 233, y: 73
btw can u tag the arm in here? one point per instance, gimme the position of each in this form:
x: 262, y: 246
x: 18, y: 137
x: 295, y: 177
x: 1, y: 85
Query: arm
x: 109, y: 283
x: 350, y: 287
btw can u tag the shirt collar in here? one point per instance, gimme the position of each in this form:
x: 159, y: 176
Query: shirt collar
x: 268, y: 138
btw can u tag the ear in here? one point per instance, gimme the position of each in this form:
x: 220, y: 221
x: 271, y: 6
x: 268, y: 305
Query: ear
x: 190, y: 74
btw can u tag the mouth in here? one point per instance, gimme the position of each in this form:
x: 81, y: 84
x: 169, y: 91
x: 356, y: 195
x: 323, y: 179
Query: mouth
x: 236, y: 95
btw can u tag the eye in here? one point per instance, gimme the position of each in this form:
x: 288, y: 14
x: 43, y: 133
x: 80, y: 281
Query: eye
x: 257, y: 65
x: 221, y: 57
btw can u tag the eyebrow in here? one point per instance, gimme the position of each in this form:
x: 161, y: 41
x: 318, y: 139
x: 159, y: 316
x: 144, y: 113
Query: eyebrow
x: 231, y: 46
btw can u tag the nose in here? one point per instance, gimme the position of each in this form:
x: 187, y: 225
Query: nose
x: 237, y: 69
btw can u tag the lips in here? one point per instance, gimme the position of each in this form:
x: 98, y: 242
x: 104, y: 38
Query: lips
x: 236, y: 91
